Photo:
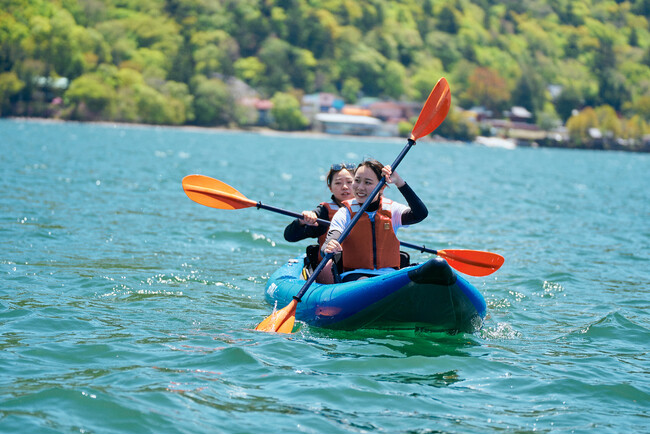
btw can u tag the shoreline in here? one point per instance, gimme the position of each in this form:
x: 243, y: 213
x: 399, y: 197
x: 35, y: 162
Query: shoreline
x: 490, y: 142
x: 263, y: 131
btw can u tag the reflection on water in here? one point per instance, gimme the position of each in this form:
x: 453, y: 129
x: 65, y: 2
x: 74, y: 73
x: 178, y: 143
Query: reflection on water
x: 396, y: 344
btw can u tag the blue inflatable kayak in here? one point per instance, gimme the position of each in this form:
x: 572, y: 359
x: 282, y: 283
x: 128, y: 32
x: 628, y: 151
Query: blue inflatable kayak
x: 428, y: 296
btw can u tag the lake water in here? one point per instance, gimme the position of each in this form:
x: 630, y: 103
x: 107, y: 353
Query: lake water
x: 126, y: 307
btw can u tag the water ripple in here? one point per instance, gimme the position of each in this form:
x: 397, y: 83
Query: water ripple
x: 125, y: 307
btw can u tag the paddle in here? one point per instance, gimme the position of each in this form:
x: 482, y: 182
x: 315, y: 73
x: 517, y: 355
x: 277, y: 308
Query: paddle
x: 217, y: 194
x: 433, y: 113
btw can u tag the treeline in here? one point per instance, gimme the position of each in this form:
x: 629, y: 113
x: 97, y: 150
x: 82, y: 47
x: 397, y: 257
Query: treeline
x: 193, y: 61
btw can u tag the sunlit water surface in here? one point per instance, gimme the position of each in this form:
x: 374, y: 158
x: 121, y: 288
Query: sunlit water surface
x: 126, y: 307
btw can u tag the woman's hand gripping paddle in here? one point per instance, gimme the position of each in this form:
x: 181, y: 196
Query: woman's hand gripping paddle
x: 217, y: 194
x: 433, y: 113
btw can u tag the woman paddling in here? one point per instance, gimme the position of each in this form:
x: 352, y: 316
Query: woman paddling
x: 339, y: 181
x: 372, y: 246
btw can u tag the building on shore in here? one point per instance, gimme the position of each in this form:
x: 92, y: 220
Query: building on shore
x: 339, y: 123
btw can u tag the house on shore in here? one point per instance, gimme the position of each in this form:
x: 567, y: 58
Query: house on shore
x: 339, y: 123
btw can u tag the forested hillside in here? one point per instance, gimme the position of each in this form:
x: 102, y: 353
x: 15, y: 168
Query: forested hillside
x: 173, y: 61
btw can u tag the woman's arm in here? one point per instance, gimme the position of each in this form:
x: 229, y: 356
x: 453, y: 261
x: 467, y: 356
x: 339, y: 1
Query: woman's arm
x: 300, y: 230
x: 417, y: 211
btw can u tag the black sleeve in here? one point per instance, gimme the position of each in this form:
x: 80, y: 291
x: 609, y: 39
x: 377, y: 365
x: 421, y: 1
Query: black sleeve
x: 418, y: 211
x: 295, y: 232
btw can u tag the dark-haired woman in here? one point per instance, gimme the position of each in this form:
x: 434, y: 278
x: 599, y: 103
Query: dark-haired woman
x: 339, y: 181
x: 372, y: 246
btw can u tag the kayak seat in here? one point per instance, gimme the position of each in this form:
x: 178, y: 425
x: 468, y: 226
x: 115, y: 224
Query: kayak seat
x: 404, y: 259
x: 312, y: 259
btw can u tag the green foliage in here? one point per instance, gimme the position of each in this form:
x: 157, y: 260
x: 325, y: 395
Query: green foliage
x: 548, y: 119
x: 457, y: 127
x: 404, y: 128
x: 214, y: 52
x: 579, y: 125
x: 611, y: 128
x: 635, y: 129
x: 213, y: 103
x: 91, y: 97
x: 351, y: 89
x: 10, y: 85
x: 169, y: 61
x: 275, y: 54
x: 123, y: 95
x: 640, y: 106
x: 286, y: 112
x: 250, y: 69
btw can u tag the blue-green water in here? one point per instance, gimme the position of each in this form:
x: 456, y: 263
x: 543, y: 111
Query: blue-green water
x: 126, y: 307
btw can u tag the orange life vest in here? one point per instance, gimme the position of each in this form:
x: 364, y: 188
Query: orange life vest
x: 332, y: 208
x: 371, y: 244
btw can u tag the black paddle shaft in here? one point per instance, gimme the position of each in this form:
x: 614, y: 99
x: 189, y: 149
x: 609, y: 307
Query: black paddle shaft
x: 326, y: 223
x: 353, y: 222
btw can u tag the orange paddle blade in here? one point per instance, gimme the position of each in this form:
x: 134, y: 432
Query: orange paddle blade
x: 434, y: 111
x: 214, y: 193
x: 280, y: 321
x: 473, y: 263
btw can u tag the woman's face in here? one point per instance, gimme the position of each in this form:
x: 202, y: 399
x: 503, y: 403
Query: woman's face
x: 341, y: 185
x: 365, y: 181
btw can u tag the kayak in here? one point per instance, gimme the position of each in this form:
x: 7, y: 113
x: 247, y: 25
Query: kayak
x: 429, y: 296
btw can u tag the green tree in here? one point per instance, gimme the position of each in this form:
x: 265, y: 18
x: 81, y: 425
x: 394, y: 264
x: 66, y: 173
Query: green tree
x: 65, y: 45
x: 250, y: 69
x: 275, y: 54
x: 444, y: 47
x: 278, y: 21
x: 10, y: 85
x: 608, y: 121
x: 322, y: 32
x: 152, y: 106
x: 366, y: 64
x: 529, y: 91
x: 302, y: 72
x: 350, y: 90
x: 578, y: 126
x: 393, y: 79
x: 180, y: 101
x: 425, y: 73
x: 457, y: 127
x: 214, y: 52
x: 646, y: 56
x: 12, y: 37
x: 548, y: 119
x: 91, y: 97
x: 568, y: 101
x: 447, y: 21
x: 139, y: 101
x: 635, y: 128
x: 409, y: 44
x: 612, y: 88
x: 286, y: 113
x: 245, y: 22
x: 640, y: 106
x: 214, y: 104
